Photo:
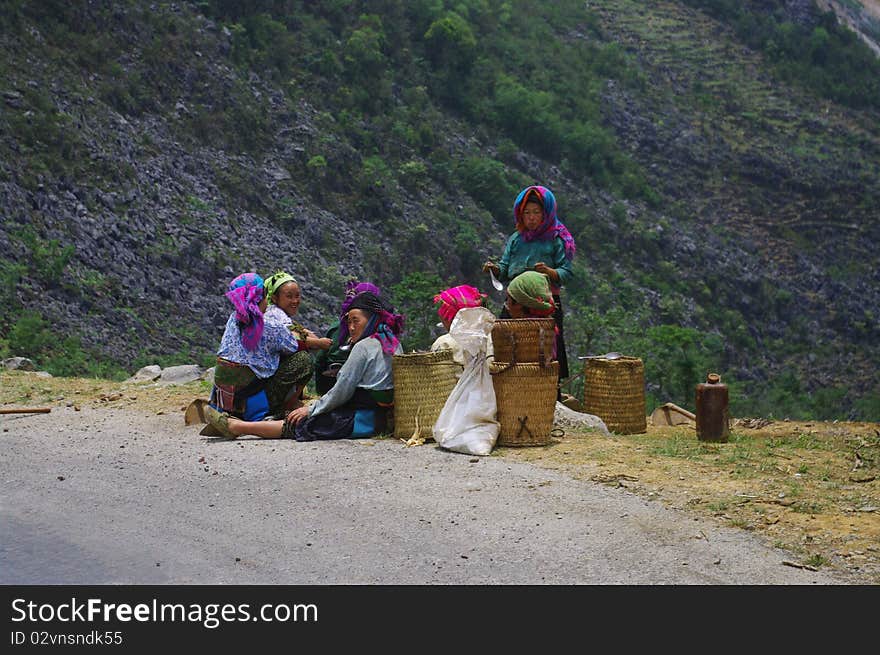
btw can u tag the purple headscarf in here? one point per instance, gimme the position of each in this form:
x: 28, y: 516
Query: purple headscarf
x: 352, y: 288
x: 245, y: 293
x: 383, y: 325
x: 551, y: 227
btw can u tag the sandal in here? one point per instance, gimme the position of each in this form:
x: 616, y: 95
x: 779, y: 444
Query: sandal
x: 218, y: 424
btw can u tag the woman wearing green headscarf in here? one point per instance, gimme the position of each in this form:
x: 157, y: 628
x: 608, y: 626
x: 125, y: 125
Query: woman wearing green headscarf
x: 284, y: 296
x: 529, y: 294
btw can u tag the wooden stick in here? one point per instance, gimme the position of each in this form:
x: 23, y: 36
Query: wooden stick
x: 35, y: 410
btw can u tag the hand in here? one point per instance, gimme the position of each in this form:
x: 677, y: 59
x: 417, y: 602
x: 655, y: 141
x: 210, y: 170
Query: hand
x: 491, y: 265
x: 321, y: 343
x: 542, y: 268
x: 311, y: 335
x: 298, y: 415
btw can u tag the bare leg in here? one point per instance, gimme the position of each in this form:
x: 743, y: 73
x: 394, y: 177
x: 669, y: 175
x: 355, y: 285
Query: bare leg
x: 264, y: 429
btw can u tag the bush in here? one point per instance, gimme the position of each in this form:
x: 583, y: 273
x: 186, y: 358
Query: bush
x: 488, y: 183
x: 413, y: 297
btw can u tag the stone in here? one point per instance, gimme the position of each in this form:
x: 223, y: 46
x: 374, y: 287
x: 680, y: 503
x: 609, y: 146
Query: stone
x: 147, y: 374
x: 569, y: 418
x: 181, y: 374
x: 19, y: 364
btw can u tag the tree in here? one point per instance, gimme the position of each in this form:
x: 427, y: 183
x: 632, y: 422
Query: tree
x: 413, y: 297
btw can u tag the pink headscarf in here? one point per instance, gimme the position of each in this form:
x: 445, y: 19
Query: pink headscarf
x: 456, y: 298
x: 245, y: 293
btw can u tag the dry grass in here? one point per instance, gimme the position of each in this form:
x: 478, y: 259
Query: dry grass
x: 810, y: 487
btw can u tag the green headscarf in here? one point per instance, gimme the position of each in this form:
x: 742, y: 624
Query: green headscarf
x: 276, y: 281
x: 532, y: 289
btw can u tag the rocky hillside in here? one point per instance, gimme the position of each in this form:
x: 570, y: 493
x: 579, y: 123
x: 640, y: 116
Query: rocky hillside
x: 725, y: 206
x: 861, y: 16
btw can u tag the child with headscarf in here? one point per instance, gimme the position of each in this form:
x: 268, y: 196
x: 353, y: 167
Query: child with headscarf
x: 449, y: 302
x: 543, y: 244
x: 328, y: 362
x: 529, y: 295
x: 285, y: 296
x: 357, y: 405
x: 258, y: 370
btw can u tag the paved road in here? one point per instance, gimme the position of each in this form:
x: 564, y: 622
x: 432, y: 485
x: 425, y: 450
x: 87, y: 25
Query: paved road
x: 146, y: 500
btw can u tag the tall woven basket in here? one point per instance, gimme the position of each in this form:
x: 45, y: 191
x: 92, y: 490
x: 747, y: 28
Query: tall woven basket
x: 523, y: 340
x: 614, y: 390
x: 422, y: 383
x: 526, y: 398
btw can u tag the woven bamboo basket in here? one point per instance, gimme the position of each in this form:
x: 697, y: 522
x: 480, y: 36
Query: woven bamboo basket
x: 526, y: 398
x: 523, y: 340
x: 614, y: 390
x: 422, y: 383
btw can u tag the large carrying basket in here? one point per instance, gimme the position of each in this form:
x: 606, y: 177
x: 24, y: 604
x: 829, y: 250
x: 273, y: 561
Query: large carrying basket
x: 526, y: 399
x: 524, y: 340
x: 614, y: 390
x: 422, y: 383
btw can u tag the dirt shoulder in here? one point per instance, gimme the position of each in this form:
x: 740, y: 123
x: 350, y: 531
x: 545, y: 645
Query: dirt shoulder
x: 811, y: 488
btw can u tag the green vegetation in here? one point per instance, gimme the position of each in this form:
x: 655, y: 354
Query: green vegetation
x: 424, y: 118
x: 409, y: 296
x: 828, y: 59
x: 53, y: 351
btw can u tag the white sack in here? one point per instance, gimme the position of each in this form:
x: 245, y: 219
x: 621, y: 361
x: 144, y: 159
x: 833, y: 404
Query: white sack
x: 466, y: 423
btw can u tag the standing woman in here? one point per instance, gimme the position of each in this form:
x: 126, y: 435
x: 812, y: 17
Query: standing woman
x: 251, y: 381
x: 541, y: 243
x: 357, y: 405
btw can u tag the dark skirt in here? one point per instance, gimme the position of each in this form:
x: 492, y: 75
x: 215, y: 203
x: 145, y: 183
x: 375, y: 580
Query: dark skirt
x: 561, y: 355
x: 365, y: 415
x: 292, y: 375
x: 240, y: 393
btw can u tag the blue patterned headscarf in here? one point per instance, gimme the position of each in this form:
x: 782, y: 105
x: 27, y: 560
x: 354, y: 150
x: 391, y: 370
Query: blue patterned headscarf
x: 551, y: 227
x: 245, y: 293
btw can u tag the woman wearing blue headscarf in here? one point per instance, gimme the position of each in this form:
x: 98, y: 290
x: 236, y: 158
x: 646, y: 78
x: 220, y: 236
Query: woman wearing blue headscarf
x: 541, y: 243
x: 258, y: 372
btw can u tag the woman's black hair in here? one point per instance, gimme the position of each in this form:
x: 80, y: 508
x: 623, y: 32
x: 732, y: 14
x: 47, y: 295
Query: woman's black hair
x: 533, y: 196
x: 370, y: 302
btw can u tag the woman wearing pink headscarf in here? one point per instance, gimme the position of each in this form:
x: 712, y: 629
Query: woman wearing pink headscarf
x: 260, y: 364
x: 450, y: 302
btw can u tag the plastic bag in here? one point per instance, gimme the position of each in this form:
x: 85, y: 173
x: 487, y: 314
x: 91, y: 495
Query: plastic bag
x: 466, y: 423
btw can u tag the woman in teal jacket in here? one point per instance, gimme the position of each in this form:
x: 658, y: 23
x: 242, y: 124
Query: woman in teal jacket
x: 541, y: 243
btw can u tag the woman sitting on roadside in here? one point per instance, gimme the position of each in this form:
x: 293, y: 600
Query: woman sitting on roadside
x: 328, y: 362
x: 284, y: 299
x: 251, y: 380
x: 451, y: 301
x: 357, y: 404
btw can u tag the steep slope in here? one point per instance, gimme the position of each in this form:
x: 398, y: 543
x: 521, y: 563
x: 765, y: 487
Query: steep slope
x: 725, y: 219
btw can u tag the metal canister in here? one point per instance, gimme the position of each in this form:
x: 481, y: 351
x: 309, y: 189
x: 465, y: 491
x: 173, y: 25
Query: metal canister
x: 713, y: 415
